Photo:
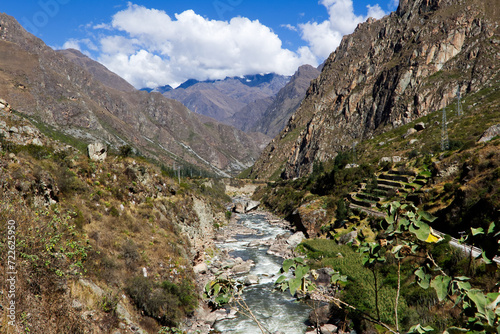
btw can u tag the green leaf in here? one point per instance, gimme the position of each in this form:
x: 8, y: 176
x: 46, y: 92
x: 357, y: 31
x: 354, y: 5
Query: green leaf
x: 421, y: 230
x: 491, y: 228
x: 485, y: 258
x: 217, y: 288
x: 301, y: 271
x: 441, y: 284
x: 427, y: 216
x: 396, y: 249
x: 280, y: 279
x: 479, y: 299
x: 299, y: 260
x: 294, y: 284
x: 423, y: 278
x: 287, y: 264
x: 476, y: 231
x: 455, y: 330
x: 418, y: 329
x: 464, y: 285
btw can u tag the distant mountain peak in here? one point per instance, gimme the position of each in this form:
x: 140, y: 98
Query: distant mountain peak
x: 221, y: 99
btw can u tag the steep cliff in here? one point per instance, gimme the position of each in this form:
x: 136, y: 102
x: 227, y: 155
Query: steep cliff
x: 386, y: 74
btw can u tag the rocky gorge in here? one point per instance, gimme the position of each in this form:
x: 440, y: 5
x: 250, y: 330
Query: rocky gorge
x: 229, y: 255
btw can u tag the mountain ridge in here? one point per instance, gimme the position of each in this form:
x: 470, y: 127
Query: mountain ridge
x: 43, y: 84
x: 221, y: 99
x: 386, y: 74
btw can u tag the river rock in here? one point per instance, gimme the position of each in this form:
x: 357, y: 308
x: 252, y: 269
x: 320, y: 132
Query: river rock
x: 239, y: 208
x: 251, y: 280
x: 295, y: 239
x: 329, y: 329
x: 254, y: 243
x: 251, y: 205
x: 242, y: 268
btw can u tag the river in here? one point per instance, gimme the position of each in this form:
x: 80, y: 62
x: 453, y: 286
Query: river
x: 277, y: 311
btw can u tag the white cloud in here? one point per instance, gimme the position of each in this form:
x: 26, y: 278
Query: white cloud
x: 150, y: 48
x: 289, y: 27
x: 102, y: 26
x: 393, y: 4
x: 324, y: 37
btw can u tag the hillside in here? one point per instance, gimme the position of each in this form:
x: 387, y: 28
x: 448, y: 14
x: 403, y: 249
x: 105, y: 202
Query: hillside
x: 101, y: 246
x: 71, y: 103
x: 99, y: 71
x: 386, y: 74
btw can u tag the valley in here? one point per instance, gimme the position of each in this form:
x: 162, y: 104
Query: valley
x: 359, y: 196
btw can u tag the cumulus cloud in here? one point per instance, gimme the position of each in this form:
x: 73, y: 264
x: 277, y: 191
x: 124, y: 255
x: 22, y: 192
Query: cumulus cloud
x: 150, y: 48
x: 325, y: 36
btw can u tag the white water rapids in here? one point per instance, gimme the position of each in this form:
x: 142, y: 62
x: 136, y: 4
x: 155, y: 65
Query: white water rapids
x: 277, y: 311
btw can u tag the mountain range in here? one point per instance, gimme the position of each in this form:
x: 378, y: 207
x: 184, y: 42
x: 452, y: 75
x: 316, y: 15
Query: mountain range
x: 83, y: 102
x: 222, y: 99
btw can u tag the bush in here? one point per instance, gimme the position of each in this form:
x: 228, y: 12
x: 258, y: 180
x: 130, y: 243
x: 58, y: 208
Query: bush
x: 126, y: 151
x: 166, y: 302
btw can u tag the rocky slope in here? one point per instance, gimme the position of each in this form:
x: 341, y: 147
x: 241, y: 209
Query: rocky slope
x: 221, y: 99
x: 66, y: 98
x: 386, y: 74
x: 286, y: 102
x: 99, y: 71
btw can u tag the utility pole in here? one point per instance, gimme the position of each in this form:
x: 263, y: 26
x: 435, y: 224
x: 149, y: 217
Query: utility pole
x: 459, y: 103
x: 445, y: 145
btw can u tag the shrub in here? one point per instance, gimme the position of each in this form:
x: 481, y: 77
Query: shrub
x: 166, y: 302
x: 130, y: 254
x: 126, y: 151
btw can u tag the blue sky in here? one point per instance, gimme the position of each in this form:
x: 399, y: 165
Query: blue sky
x: 152, y: 43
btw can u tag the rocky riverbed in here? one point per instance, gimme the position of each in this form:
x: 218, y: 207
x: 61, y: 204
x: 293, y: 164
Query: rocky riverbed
x: 250, y: 249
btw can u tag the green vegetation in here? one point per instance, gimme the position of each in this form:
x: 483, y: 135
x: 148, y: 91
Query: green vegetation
x: 384, y: 285
x: 167, y: 302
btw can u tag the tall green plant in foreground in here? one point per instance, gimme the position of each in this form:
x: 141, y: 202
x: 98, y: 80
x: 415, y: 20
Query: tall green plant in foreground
x: 407, y: 233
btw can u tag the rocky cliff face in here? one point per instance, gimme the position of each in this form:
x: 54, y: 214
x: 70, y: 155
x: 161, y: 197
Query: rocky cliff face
x: 46, y: 86
x: 386, y: 74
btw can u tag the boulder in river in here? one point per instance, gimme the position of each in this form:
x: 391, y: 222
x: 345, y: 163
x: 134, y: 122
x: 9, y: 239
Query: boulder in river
x: 251, y: 280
